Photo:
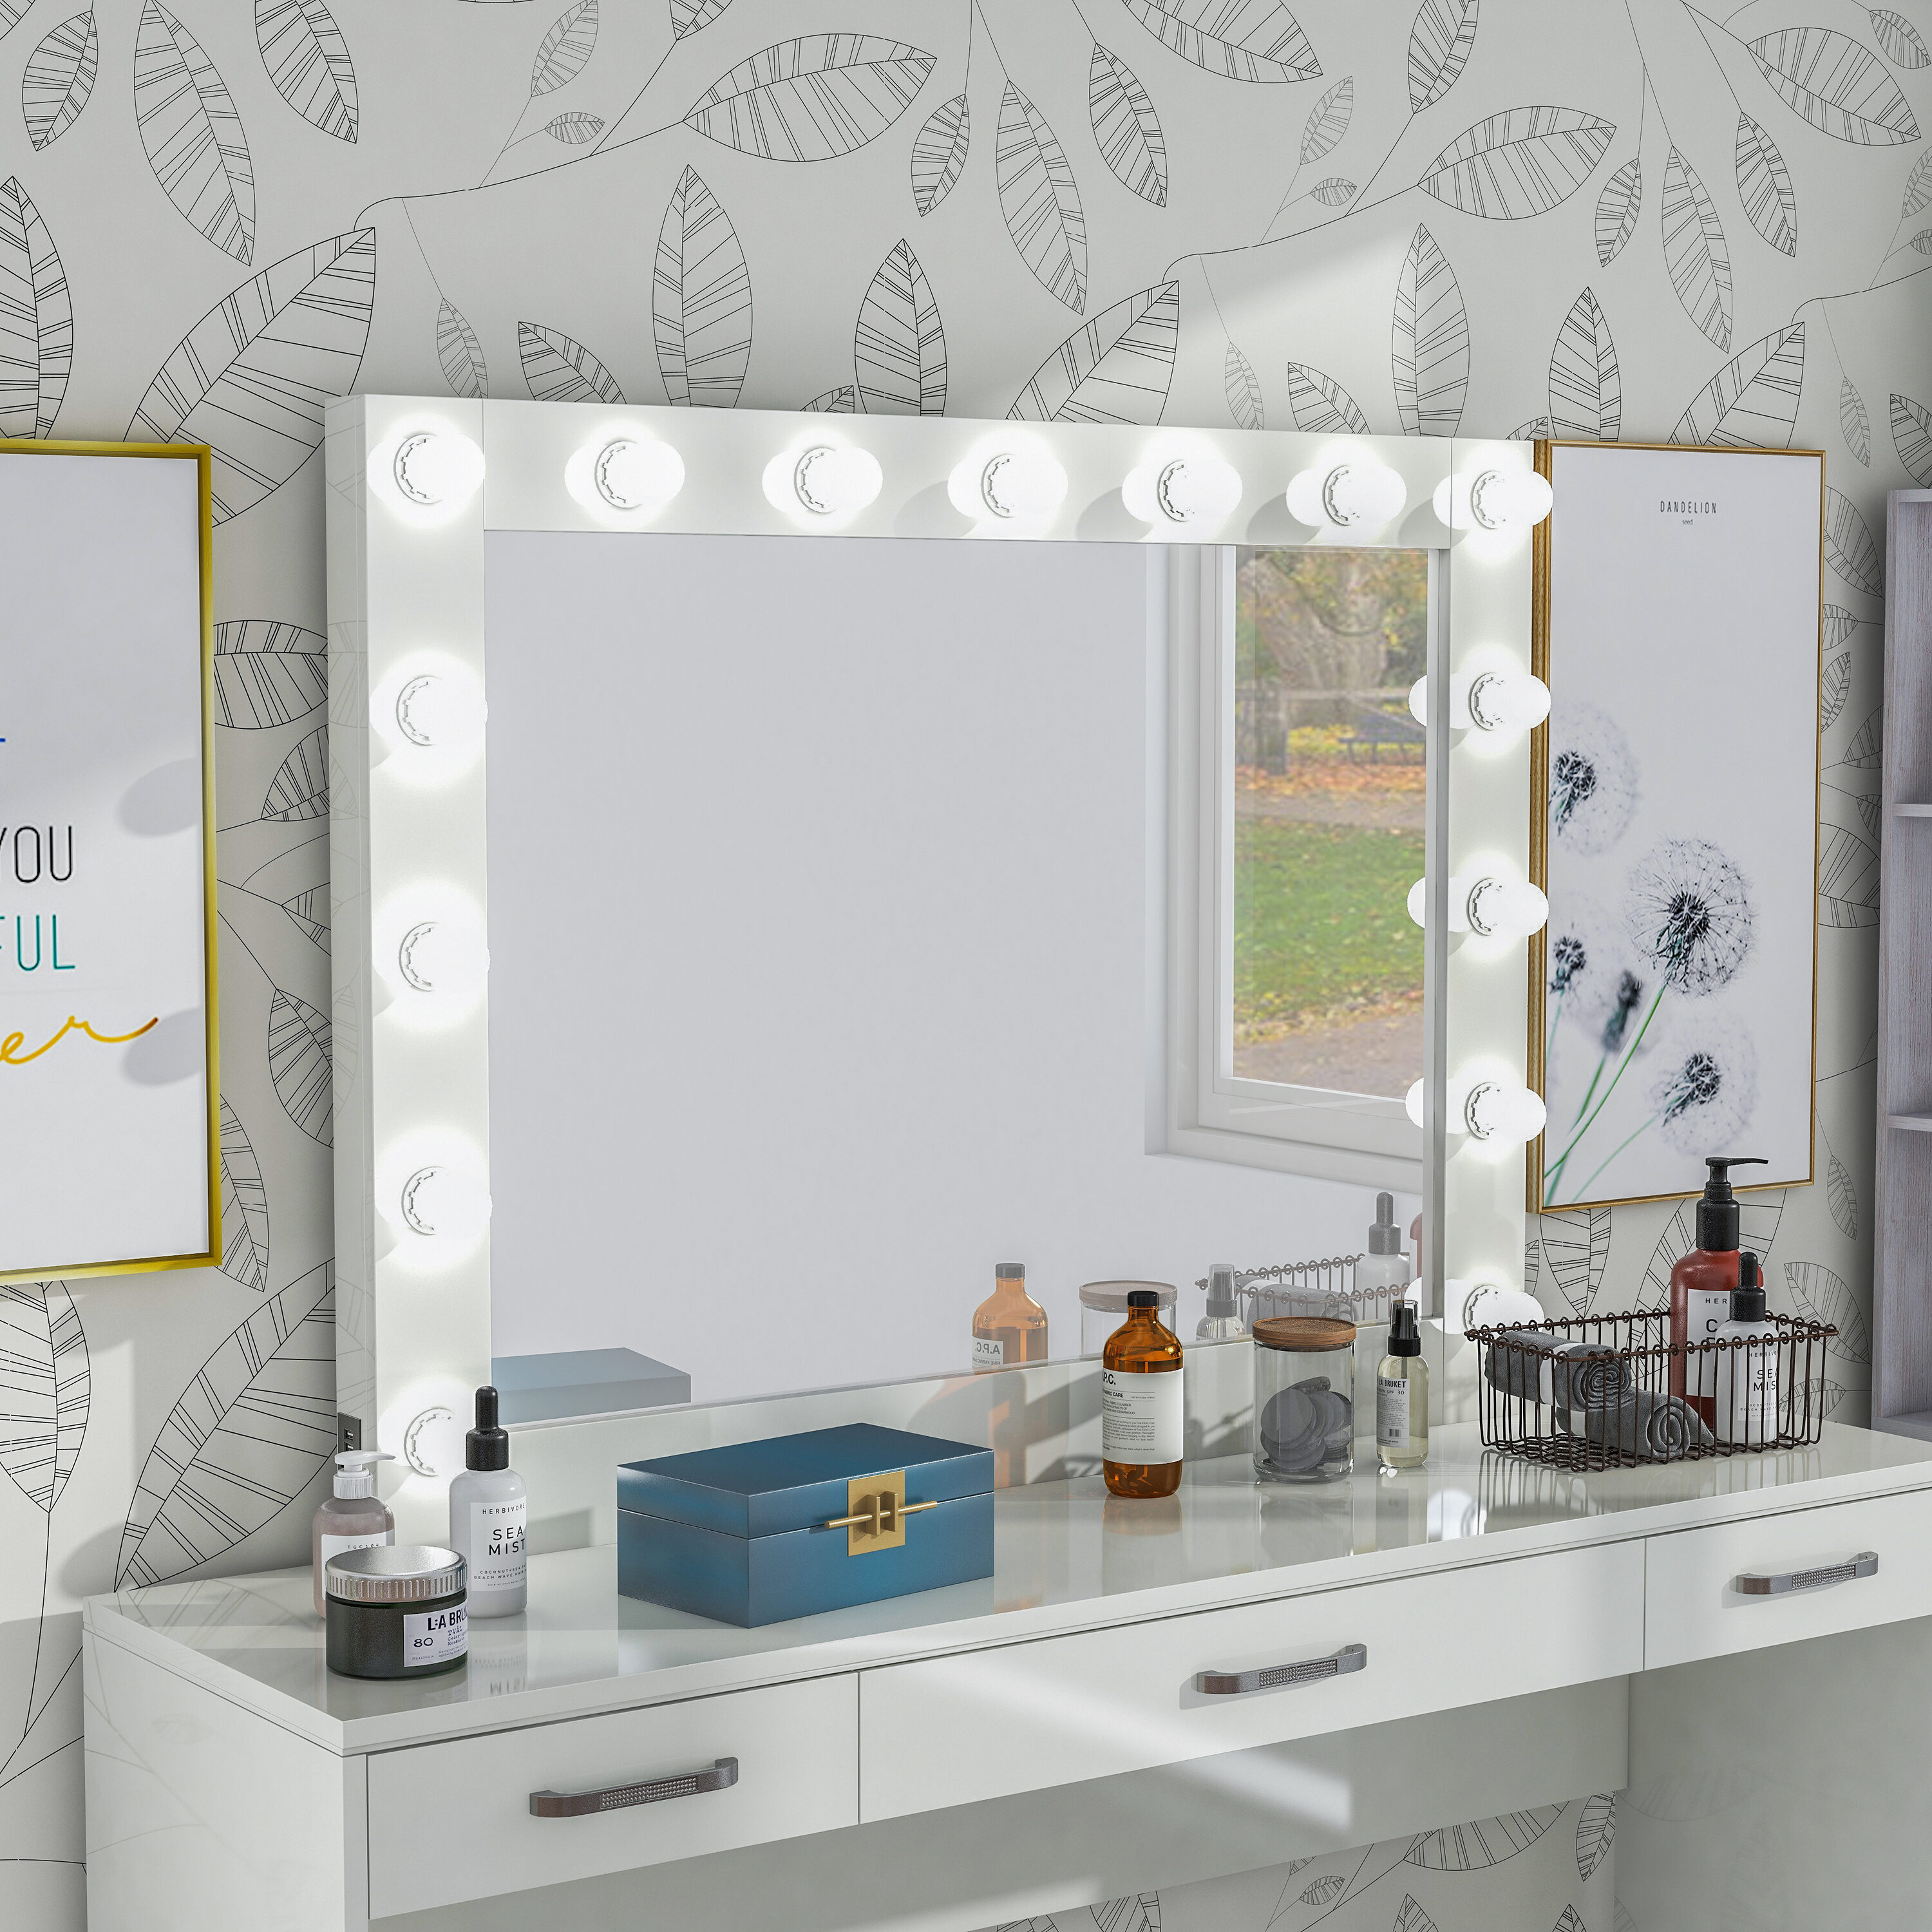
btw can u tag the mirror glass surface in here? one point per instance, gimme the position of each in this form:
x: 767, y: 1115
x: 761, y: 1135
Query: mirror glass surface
x: 829, y: 911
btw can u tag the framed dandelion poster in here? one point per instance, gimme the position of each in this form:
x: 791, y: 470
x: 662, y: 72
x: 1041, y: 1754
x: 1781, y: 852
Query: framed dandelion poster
x: 109, y: 1093
x: 1675, y: 817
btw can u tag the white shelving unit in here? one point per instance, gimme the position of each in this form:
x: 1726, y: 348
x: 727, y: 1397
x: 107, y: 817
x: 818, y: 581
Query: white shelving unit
x: 1902, y: 1270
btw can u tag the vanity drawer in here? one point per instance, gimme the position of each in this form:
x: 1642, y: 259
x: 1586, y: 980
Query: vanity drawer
x: 450, y: 1821
x: 1694, y: 1607
x: 985, y: 1724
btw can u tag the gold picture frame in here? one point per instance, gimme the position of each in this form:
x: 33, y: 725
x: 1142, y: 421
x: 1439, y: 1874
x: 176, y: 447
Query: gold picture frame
x: 1542, y: 574
x: 202, y: 456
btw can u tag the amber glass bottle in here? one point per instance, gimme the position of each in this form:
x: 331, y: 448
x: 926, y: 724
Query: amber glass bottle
x: 1141, y: 1414
x: 1009, y: 1326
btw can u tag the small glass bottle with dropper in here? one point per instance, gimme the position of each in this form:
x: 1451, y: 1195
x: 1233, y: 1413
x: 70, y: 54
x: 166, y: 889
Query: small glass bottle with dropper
x: 1402, y: 1395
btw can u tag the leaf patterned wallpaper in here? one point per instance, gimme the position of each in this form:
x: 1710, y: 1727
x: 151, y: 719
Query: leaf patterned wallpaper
x: 1603, y: 218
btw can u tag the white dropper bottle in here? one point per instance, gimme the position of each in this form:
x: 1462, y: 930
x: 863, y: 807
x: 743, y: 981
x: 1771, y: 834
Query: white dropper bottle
x: 354, y: 1518
x: 487, y: 1512
x: 1384, y: 1270
x: 1747, y: 1405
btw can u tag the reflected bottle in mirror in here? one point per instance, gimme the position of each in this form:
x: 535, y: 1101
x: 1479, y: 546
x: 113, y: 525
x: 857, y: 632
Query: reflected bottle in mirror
x: 1009, y: 1326
x: 1141, y: 1413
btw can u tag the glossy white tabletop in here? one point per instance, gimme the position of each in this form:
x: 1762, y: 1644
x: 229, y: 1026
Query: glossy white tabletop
x: 1069, y: 1557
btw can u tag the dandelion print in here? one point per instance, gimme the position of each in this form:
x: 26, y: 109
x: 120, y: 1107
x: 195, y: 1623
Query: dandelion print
x: 1706, y: 1090
x: 1593, y: 787
x: 1689, y: 914
x: 1612, y: 983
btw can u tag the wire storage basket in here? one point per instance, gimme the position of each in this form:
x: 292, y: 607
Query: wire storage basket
x: 1326, y: 1289
x: 1613, y: 1391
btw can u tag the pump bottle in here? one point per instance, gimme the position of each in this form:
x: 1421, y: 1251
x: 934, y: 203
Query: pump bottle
x: 1701, y: 1285
x: 354, y: 1518
x: 1222, y: 1321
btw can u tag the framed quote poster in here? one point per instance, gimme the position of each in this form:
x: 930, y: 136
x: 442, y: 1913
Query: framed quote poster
x: 109, y: 1090
x: 1675, y: 819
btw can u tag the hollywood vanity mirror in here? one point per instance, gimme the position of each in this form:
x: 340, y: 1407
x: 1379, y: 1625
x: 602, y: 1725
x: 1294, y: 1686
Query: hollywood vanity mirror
x: 896, y: 847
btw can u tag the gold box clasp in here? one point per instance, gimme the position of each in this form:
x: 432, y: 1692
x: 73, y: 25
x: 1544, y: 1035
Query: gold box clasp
x: 876, y: 1511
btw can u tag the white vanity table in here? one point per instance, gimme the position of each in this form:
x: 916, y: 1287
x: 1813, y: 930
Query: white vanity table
x: 232, y: 1781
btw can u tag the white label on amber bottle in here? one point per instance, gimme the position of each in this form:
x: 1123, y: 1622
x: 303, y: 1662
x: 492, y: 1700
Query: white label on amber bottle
x: 1392, y: 1411
x: 434, y: 1637
x: 496, y: 1560
x: 334, y: 1546
x: 987, y: 1353
x: 1141, y: 1415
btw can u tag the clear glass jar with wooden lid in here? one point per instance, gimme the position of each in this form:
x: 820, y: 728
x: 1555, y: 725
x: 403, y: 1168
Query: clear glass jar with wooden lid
x: 1304, y: 1426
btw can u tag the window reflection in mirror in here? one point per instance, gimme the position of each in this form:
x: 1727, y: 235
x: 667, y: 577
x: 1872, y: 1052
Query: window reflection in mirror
x: 1329, y: 799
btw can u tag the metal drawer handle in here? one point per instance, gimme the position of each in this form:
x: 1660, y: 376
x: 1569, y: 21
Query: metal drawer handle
x: 620, y: 1797
x: 1865, y: 1563
x: 1238, y: 1683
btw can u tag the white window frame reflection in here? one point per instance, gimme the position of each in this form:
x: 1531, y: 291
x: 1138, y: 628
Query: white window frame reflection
x: 1213, y: 1113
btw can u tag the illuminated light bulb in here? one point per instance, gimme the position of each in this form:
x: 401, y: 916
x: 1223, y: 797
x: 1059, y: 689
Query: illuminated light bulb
x: 832, y: 482
x: 1512, y: 701
x: 1351, y: 496
x: 432, y: 1444
x: 1509, y: 499
x: 1026, y: 485
x: 437, y: 466
x: 1490, y: 700
x: 1503, y: 1113
x: 447, y: 1203
x: 442, y: 710
x: 633, y: 475
x: 446, y: 958
x: 1488, y: 1304
x: 1503, y: 908
x: 1411, y: 1101
x: 1187, y: 489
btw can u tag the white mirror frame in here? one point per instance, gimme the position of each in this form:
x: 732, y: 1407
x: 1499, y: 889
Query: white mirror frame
x: 405, y: 589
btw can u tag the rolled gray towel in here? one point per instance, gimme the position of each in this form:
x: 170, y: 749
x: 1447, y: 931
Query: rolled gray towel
x: 1659, y: 1428
x: 1568, y: 1375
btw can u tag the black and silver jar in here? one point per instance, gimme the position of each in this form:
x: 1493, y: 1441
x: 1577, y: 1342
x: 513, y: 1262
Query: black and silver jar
x: 401, y: 1611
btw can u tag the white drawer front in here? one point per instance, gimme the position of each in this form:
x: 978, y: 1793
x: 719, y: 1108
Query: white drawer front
x: 986, y: 1724
x: 1694, y: 1607
x: 450, y: 1821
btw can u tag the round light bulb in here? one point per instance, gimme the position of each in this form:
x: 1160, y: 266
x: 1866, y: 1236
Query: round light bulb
x: 631, y: 474
x: 1027, y: 485
x: 1514, y: 700
x: 1509, y: 499
x: 1488, y: 1304
x: 433, y: 1443
x: 832, y: 482
x: 447, y: 957
x: 1411, y: 1101
x: 1505, y: 1113
x: 1362, y: 495
x: 441, y: 710
x: 438, y: 466
x: 1506, y: 908
x: 1197, y: 489
x: 446, y: 1203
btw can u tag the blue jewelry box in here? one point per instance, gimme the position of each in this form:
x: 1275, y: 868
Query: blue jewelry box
x: 756, y: 1532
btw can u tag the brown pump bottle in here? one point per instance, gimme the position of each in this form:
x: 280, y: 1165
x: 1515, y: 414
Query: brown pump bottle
x: 1701, y: 1285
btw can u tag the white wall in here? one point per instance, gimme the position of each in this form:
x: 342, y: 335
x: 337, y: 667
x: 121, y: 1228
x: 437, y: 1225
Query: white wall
x: 820, y: 885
